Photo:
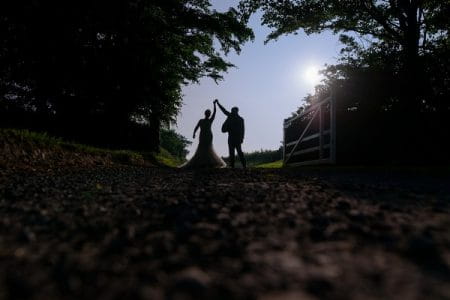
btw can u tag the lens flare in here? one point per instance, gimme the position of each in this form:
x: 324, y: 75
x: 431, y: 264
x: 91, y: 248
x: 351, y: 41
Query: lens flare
x: 311, y: 75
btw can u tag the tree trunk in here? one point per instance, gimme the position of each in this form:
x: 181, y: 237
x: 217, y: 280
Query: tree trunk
x: 155, y: 126
x: 410, y: 106
x: 412, y: 70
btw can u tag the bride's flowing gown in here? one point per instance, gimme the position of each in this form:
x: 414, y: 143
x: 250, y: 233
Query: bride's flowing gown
x: 205, y: 156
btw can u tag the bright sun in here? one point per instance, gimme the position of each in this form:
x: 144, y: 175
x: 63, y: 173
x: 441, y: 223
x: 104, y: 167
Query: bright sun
x: 311, y: 75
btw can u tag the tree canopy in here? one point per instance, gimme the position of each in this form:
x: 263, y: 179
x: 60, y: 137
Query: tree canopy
x: 391, y: 83
x: 408, y: 24
x: 111, y: 60
x: 405, y: 32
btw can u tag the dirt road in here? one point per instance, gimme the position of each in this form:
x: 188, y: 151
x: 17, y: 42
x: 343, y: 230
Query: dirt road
x: 143, y: 233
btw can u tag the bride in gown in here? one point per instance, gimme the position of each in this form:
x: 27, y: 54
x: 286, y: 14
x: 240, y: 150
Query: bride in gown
x: 205, y: 156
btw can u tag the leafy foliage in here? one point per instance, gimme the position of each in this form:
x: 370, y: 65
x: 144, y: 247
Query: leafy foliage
x: 391, y: 83
x: 389, y: 21
x: 110, y: 61
x: 175, y: 143
x: 401, y: 36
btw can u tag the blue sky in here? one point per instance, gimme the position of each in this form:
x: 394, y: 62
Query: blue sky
x: 267, y: 85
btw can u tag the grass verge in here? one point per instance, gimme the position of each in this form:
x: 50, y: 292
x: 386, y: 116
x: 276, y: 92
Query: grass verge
x: 272, y: 165
x: 31, y: 139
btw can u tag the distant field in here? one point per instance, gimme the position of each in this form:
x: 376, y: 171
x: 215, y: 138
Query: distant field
x: 272, y: 165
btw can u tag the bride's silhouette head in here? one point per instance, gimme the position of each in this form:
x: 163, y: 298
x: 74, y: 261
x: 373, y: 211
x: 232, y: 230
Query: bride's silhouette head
x: 207, y: 113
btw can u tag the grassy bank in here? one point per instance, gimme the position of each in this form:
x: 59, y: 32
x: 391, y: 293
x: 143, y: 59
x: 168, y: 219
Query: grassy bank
x: 30, y: 142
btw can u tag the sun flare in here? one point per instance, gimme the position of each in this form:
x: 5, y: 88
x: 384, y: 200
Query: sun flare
x: 311, y: 75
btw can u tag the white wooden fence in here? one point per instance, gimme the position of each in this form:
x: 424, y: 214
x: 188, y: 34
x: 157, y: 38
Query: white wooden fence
x: 310, y: 137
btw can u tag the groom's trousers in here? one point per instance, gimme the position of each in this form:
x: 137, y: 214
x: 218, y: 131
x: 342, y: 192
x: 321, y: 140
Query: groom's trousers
x: 238, y: 147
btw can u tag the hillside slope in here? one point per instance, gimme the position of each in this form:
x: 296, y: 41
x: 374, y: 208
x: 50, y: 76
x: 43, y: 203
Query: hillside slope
x: 27, y: 151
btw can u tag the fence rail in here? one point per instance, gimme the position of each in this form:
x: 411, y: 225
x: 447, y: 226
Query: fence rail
x: 310, y: 137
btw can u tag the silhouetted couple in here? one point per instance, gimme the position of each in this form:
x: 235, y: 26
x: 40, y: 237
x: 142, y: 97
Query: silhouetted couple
x: 205, y: 156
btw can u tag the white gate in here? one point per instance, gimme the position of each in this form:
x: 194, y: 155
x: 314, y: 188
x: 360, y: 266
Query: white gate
x: 310, y: 137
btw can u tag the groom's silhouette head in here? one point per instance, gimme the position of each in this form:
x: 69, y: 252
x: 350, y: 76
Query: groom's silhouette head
x: 207, y: 113
x: 235, y: 110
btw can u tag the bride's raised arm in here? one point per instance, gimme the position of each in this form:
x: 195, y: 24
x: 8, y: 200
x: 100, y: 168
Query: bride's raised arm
x: 214, y: 112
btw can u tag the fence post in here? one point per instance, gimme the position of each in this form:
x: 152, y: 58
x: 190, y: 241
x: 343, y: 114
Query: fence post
x: 332, y: 128
x: 320, y: 133
x: 284, y: 142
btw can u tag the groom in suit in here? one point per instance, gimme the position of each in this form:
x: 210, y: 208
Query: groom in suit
x: 234, y: 125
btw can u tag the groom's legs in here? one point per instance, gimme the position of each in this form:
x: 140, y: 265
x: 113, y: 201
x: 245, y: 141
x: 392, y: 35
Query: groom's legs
x: 241, y: 155
x: 231, y: 153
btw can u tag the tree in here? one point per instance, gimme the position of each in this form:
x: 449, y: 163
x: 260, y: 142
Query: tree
x: 409, y: 27
x: 111, y: 61
x: 391, y: 83
x: 175, y: 143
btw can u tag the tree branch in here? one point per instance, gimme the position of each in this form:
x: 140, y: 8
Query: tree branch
x: 375, y: 13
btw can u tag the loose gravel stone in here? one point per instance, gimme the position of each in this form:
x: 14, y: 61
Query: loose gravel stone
x: 149, y: 233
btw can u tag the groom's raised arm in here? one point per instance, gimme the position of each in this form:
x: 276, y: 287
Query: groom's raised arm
x: 226, y: 112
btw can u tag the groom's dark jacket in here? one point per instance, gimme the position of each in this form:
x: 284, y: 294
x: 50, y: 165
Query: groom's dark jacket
x: 234, y: 125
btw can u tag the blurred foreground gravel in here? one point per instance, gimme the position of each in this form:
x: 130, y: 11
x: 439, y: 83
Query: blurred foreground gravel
x: 148, y: 233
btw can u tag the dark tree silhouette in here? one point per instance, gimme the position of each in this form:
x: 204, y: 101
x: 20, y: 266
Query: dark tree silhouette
x: 392, y: 81
x: 410, y: 28
x: 103, y: 63
x: 174, y: 143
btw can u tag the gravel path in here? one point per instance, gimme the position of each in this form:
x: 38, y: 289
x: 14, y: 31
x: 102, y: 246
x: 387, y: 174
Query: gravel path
x: 142, y: 233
